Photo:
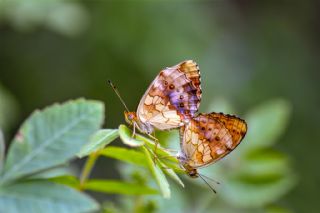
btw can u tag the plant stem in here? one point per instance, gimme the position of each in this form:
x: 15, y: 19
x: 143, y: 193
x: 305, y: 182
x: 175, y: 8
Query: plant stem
x: 88, y: 166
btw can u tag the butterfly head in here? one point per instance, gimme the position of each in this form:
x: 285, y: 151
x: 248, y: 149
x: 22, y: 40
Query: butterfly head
x: 192, y: 172
x: 131, y: 117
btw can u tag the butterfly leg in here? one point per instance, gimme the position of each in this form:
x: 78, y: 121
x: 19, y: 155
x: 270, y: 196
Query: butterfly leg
x: 154, y: 154
x: 156, y: 142
x: 134, y: 130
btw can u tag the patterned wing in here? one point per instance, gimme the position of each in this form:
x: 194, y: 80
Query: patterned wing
x: 210, y: 137
x: 172, y: 97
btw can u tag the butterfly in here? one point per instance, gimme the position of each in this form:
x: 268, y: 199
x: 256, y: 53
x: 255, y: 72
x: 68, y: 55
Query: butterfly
x: 170, y: 101
x: 207, y: 138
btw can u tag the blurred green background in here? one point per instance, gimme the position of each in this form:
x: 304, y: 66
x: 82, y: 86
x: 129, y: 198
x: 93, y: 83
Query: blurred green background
x: 249, y: 52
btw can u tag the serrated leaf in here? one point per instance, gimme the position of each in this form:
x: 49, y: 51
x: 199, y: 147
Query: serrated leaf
x: 51, y: 137
x: 118, y: 187
x: 157, y: 173
x: 2, y: 149
x: 266, y: 123
x: 125, y: 135
x: 98, y: 141
x: 35, y: 197
x: 126, y: 155
x: 252, y: 192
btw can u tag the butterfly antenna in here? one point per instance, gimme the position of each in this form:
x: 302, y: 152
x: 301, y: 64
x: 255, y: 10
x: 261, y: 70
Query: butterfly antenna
x: 118, y: 94
x: 214, y: 191
x: 211, y: 179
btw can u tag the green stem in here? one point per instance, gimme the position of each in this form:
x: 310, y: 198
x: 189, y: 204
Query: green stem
x: 88, y: 168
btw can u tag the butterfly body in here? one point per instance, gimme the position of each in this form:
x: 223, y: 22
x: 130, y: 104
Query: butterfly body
x: 192, y: 172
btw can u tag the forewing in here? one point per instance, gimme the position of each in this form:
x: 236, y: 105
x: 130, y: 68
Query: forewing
x: 210, y: 137
x: 192, y: 71
x: 172, y: 97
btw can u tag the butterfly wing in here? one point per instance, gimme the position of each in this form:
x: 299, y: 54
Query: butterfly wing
x: 172, y: 97
x: 210, y: 137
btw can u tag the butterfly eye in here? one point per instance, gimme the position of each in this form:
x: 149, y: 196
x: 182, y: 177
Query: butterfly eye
x: 193, y: 174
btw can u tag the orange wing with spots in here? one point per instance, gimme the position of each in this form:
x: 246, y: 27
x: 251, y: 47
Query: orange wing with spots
x: 172, y: 97
x: 210, y: 137
x: 236, y: 126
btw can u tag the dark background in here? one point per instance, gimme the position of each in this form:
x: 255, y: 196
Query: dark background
x: 248, y: 52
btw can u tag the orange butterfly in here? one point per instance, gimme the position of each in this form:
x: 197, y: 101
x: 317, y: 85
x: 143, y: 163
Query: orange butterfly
x: 169, y: 102
x: 207, y: 138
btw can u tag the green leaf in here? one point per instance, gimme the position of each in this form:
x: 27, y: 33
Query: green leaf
x: 141, y: 140
x: 68, y: 180
x: 171, y: 173
x: 98, y: 141
x: 118, y: 187
x: 2, y: 149
x: 265, y: 162
x: 126, y: 155
x: 249, y: 191
x: 266, y: 123
x: 34, y: 197
x: 51, y: 137
x: 53, y: 172
x: 171, y: 162
x: 125, y: 135
x: 157, y: 173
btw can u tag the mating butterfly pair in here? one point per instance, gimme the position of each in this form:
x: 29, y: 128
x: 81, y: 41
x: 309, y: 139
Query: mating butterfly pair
x: 171, y: 101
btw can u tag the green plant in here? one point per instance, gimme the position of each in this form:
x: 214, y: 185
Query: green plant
x: 51, y: 138
x: 48, y: 139
x: 253, y: 178
x: 32, y: 180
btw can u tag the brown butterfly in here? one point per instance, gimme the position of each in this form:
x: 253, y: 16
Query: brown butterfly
x: 170, y: 101
x: 207, y: 138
